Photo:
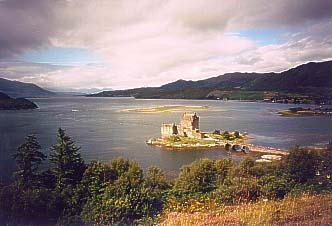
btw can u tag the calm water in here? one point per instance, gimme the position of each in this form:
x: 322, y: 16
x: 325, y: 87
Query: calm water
x: 104, y: 132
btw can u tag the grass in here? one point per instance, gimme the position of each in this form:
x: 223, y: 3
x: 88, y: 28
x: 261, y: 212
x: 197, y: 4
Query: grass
x: 292, y: 210
x: 176, y: 141
x: 165, y: 108
x: 187, y: 140
x: 183, y: 140
x: 229, y: 137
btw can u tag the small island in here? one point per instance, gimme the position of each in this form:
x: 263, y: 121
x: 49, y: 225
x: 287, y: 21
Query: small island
x: 8, y: 103
x: 165, y: 108
x: 299, y: 112
x: 187, y: 136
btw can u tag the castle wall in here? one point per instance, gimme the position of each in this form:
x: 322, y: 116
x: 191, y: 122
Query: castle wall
x: 189, y: 126
x: 168, y: 130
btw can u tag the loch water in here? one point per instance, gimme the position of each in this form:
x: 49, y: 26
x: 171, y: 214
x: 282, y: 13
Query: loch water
x: 105, y: 132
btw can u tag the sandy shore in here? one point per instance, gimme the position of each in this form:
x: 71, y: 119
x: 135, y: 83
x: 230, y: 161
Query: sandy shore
x: 165, y: 108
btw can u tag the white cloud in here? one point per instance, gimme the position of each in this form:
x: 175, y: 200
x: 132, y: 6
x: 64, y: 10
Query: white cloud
x: 149, y: 43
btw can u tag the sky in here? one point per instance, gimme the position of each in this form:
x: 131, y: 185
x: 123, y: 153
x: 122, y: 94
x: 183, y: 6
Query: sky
x: 68, y: 45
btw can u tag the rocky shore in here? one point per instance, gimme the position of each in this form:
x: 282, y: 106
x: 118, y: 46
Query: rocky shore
x: 213, y: 144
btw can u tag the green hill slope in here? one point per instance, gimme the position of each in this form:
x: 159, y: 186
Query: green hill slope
x: 312, y: 80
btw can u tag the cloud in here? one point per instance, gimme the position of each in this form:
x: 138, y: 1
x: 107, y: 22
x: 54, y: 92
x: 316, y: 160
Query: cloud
x: 148, y: 43
x: 280, y: 13
x: 22, y: 70
x: 25, y: 25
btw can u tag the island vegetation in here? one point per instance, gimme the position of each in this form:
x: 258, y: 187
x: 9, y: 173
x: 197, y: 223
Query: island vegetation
x: 299, y: 111
x: 8, y: 103
x: 210, y: 139
x: 294, y: 191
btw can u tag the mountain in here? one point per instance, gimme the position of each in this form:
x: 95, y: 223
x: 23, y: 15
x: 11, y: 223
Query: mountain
x: 20, y: 89
x: 312, y: 80
x: 306, y: 75
x: 225, y: 81
x: 312, y: 74
x: 8, y: 103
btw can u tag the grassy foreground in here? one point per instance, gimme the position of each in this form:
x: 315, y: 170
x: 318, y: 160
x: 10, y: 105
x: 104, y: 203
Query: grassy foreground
x: 292, y: 210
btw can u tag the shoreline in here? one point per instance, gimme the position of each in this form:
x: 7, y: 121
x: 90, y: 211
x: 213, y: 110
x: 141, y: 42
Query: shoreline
x: 218, y: 145
x: 305, y: 112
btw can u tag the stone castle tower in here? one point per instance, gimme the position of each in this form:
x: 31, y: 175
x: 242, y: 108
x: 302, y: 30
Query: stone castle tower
x: 188, y: 127
x: 188, y: 123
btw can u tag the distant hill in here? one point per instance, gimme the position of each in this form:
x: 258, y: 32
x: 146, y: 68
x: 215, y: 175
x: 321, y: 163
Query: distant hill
x: 317, y: 75
x: 306, y: 75
x: 313, y: 79
x: 8, y: 103
x: 20, y: 89
x: 225, y: 81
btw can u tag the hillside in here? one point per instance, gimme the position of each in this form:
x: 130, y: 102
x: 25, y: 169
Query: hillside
x: 8, y: 103
x: 307, y: 75
x: 18, y: 89
x: 312, y: 81
x: 318, y: 75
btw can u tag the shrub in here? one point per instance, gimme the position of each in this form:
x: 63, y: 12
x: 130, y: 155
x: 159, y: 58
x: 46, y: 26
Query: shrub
x: 226, y: 135
x: 126, y: 200
x: 273, y: 187
x: 266, y: 168
x: 224, y: 168
x: 302, y: 164
x: 155, y: 179
x: 238, y: 190
x: 246, y: 166
x: 200, y: 176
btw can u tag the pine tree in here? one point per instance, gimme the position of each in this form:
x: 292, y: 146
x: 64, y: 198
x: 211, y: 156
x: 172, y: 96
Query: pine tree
x: 28, y: 159
x: 68, y: 164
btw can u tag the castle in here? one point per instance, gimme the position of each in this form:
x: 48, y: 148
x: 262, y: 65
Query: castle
x: 188, y: 127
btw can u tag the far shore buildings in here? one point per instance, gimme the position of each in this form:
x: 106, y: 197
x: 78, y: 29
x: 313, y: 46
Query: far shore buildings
x: 188, y: 127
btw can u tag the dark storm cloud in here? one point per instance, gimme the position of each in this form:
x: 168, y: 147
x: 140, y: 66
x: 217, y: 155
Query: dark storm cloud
x: 280, y: 13
x: 298, y: 11
x: 29, y: 24
x: 25, y: 24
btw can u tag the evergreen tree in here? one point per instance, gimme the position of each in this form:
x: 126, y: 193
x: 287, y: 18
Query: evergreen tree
x: 68, y: 164
x: 28, y: 159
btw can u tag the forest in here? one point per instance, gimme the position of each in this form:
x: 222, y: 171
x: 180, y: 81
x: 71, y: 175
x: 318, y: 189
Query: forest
x: 70, y: 191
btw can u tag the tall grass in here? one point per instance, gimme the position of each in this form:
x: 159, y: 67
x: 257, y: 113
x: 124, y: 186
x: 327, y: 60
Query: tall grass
x: 293, y: 210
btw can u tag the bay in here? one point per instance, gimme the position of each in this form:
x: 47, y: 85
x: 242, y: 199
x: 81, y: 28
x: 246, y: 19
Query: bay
x: 105, y: 132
